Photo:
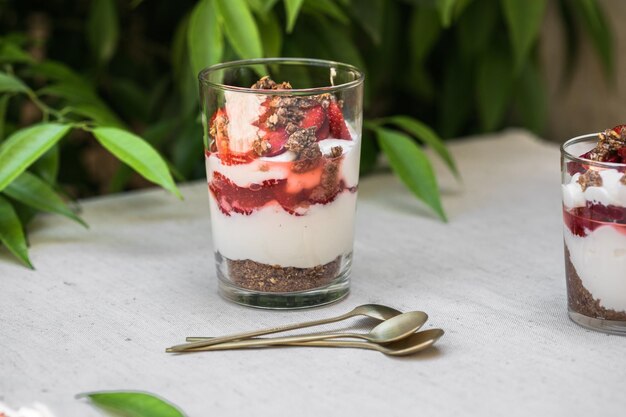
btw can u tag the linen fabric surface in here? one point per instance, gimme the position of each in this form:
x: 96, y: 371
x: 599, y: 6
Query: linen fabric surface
x: 105, y: 302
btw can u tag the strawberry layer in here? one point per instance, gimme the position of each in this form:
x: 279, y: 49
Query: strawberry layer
x: 231, y: 198
x: 582, y: 220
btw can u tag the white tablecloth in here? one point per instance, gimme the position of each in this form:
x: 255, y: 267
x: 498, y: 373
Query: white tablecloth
x: 105, y: 302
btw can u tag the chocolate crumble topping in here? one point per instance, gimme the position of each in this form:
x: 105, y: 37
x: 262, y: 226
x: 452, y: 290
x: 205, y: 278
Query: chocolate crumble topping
x: 260, y: 146
x: 336, y: 152
x: 609, y: 142
x: 329, y: 183
x: 590, y: 179
x: 266, y: 83
x: 303, y: 143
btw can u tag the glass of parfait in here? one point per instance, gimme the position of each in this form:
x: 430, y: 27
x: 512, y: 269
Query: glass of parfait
x: 282, y: 146
x: 594, y: 214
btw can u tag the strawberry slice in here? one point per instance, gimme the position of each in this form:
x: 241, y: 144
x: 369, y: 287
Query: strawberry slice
x: 622, y: 153
x: 316, y: 116
x: 337, y: 124
x: 277, y: 139
x: 619, y: 128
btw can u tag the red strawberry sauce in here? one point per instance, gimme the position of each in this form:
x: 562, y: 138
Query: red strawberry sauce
x: 245, y: 200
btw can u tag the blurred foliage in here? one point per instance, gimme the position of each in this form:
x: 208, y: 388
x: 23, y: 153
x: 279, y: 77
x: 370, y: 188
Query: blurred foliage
x: 124, y: 72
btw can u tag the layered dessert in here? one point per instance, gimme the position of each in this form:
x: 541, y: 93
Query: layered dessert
x: 283, y: 174
x: 594, y: 213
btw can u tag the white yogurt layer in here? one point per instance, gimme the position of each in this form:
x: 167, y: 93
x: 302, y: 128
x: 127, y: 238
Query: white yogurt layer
x: 612, y: 191
x: 600, y: 261
x: 260, y: 170
x: 273, y: 236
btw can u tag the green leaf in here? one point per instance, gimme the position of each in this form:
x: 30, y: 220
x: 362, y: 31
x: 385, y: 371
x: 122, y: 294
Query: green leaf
x: 325, y: 7
x: 257, y: 6
x: 370, y: 15
x: 205, y: 42
x: 475, y: 29
x: 454, y: 99
x: 426, y: 135
x: 412, y: 166
x: 132, y: 404
x: 138, y: 154
x: 187, y: 151
x: 4, y: 104
x: 23, y: 148
x: 102, y: 115
x: 571, y: 38
x: 129, y: 99
x: 369, y: 152
x: 531, y: 100
x: 424, y: 30
x: 493, y: 88
x: 103, y: 29
x: 446, y: 11
x: 10, y: 52
x: 71, y: 92
x: 598, y: 28
x: 337, y: 43
x: 11, y: 84
x: 269, y: 5
x: 58, y: 71
x: 240, y: 28
x: 292, y: 9
x: 12, y: 233
x: 523, y: 19
x: 271, y: 35
x: 47, y: 166
x: 180, y: 56
x: 31, y: 190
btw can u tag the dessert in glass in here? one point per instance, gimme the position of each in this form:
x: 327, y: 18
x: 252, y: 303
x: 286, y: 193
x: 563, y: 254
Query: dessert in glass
x: 594, y: 216
x: 282, y: 144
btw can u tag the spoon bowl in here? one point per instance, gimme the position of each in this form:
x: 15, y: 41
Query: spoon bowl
x: 412, y: 344
x: 375, y: 311
x: 397, y: 328
x: 415, y: 343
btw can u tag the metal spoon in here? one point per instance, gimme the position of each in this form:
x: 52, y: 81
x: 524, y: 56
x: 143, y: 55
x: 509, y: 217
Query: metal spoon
x: 407, y: 346
x: 395, y: 328
x: 375, y: 311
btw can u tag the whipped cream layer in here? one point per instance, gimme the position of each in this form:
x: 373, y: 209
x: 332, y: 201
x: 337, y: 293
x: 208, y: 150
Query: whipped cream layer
x: 600, y: 261
x: 612, y: 191
x: 272, y: 236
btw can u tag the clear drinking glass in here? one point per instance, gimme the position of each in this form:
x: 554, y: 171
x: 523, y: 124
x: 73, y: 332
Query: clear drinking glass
x: 282, y: 160
x: 594, y: 217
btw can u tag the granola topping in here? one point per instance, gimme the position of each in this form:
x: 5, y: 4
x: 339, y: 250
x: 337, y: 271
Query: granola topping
x: 590, y: 178
x: 610, y: 142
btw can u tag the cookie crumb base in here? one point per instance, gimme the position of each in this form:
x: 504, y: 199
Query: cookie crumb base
x: 269, y: 286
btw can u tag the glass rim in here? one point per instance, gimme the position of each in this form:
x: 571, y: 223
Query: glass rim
x: 586, y: 161
x: 203, y: 75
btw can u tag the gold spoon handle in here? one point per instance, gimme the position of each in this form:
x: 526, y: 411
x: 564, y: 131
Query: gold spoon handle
x: 239, y: 344
x: 316, y: 343
x: 336, y: 343
x: 246, y: 335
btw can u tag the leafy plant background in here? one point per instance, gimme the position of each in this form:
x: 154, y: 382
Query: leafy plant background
x: 86, y: 84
